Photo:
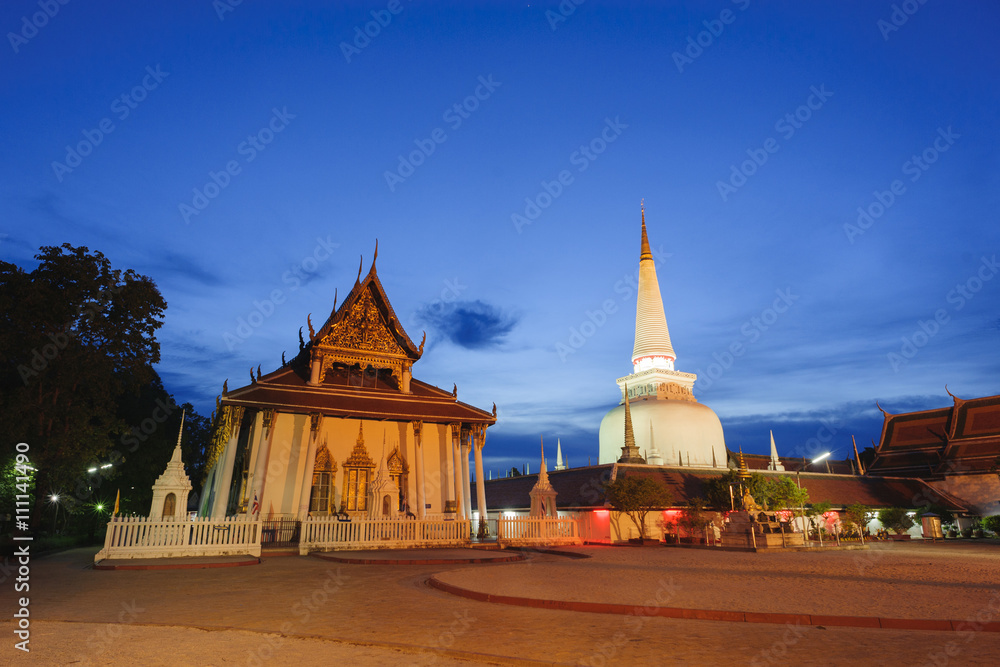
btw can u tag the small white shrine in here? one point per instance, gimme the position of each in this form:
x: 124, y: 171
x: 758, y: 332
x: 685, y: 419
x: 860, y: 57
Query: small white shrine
x: 170, y: 492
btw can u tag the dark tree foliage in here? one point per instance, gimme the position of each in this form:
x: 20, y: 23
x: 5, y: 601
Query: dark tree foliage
x: 75, y: 337
x: 636, y: 497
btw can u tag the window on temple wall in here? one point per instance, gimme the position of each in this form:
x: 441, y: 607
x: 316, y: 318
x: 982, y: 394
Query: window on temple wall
x: 357, y: 475
x: 169, y: 505
x: 324, y: 469
x: 357, y: 488
x: 397, y: 472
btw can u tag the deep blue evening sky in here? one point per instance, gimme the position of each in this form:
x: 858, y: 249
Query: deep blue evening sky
x: 834, y: 101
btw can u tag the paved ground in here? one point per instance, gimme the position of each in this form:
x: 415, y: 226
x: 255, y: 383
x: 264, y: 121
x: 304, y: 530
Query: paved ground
x: 306, y: 611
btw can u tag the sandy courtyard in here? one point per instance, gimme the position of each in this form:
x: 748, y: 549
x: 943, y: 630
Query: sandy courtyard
x: 307, y: 611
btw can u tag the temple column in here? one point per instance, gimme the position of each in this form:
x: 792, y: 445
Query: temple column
x: 418, y: 461
x: 479, y: 441
x: 227, y: 460
x: 315, y: 424
x: 456, y: 430
x: 314, y: 369
x: 466, y: 445
x: 260, y: 466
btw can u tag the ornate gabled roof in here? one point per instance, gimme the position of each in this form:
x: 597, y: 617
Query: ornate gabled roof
x: 324, y: 462
x: 652, y: 338
x: 359, y: 457
x: 395, y: 462
x: 962, y: 438
x: 365, y: 322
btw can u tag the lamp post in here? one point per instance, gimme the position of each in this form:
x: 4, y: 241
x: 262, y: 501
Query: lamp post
x: 55, y: 512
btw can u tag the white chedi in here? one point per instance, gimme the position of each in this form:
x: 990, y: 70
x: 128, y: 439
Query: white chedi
x: 671, y: 427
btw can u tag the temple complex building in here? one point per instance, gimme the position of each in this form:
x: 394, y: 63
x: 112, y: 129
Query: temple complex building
x: 344, y: 428
x: 955, y: 449
x: 670, y: 426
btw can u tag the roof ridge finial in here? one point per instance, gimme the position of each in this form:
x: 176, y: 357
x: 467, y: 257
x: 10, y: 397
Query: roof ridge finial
x: 374, y: 257
x: 644, y: 251
x: 361, y: 265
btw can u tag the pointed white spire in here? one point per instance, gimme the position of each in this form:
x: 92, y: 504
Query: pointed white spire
x: 560, y: 463
x: 775, y: 463
x: 176, y: 458
x: 652, y: 339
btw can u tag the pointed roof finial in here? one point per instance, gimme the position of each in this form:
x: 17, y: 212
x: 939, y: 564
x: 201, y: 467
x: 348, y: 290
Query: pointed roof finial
x: 644, y: 251
x: 543, y: 449
x: 630, y: 453
x: 361, y: 265
x: 372, y: 270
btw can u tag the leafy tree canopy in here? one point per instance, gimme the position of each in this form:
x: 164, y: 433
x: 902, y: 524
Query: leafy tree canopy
x: 75, y: 336
x: 637, y: 496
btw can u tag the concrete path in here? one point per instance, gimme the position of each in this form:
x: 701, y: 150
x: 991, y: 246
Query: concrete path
x: 307, y: 611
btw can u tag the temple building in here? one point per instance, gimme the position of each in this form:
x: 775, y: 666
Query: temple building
x: 344, y: 428
x: 955, y: 449
x: 670, y: 426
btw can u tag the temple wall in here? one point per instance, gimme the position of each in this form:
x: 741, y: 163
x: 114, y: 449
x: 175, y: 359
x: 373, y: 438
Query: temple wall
x: 285, y: 481
x: 981, y: 492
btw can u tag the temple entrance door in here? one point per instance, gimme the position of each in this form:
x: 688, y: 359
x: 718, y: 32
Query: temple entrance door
x: 385, y: 505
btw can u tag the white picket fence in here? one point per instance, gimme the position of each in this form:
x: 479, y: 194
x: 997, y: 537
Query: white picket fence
x: 533, y: 531
x: 328, y: 534
x: 138, y: 537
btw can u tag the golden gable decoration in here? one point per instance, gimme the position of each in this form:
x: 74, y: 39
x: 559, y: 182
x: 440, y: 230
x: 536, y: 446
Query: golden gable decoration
x: 396, y: 464
x: 324, y: 462
x: 362, y: 328
x: 359, y: 457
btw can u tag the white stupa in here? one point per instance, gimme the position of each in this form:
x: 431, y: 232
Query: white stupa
x: 670, y: 425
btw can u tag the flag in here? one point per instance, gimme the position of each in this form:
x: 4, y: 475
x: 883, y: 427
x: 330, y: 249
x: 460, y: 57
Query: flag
x: 255, y: 508
x: 118, y: 497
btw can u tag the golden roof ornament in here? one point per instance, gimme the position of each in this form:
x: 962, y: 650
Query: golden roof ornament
x: 359, y: 457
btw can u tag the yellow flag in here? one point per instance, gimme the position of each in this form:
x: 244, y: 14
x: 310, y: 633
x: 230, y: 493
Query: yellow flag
x: 117, y: 498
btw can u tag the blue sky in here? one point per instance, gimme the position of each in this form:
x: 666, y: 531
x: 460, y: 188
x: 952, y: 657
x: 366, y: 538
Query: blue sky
x: 238, y: 152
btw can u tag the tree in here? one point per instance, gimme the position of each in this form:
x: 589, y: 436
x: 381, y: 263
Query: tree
x: 895, y: 519
x: 857, y: 515
x: 992, y: 523
x: 694, y: 518
x: 75, y: 336
x: 636, y: 497
x: 717, y: 489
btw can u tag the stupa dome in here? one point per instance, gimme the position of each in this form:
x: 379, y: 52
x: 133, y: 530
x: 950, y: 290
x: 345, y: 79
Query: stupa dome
x: 684, y: 432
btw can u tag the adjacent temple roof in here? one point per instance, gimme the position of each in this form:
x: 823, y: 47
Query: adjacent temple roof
x: 960, y: 439
x: 582, y: 488
x: 652, y: 339
x: 357, y: 365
